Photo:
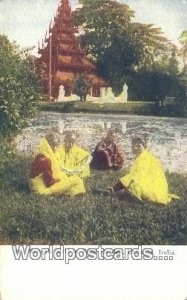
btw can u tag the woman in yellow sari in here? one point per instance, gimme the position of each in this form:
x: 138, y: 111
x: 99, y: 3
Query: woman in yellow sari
x: 146, y: 179
x: 73, y: 159
x: 46, y: 176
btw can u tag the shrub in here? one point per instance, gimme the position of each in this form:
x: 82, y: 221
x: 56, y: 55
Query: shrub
x: 81, y: 86
x: 19, y: 87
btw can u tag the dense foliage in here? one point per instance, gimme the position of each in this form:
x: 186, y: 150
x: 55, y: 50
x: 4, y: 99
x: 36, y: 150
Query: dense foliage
x: 183, y: 48
x: 117, y: 44
x: 151, y: 85
x: 134, y: 53
x: 160, y: 80
x: 183, y: 55
x: 19, y: 89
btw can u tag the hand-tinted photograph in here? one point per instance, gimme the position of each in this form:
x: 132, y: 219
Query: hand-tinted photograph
x: 93, y: 128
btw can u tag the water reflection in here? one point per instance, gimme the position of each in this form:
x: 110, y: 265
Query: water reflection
x: 166, y: 137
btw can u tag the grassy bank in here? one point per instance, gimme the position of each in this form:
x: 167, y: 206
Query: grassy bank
x: 140, y: 108
x: 91, y: 219
x: 131, y: 108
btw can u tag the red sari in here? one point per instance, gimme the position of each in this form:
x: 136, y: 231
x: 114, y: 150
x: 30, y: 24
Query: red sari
x: 42, y: 165
x: 107, y: 156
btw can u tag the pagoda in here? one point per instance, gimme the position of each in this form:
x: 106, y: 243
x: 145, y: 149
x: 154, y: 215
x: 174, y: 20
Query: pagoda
x: 62, y: 58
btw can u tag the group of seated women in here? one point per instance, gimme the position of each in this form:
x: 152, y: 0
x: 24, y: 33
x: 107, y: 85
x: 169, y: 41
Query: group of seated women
x: 62, y: 168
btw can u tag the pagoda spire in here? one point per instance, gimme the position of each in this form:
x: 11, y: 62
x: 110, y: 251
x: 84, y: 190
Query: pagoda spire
x: 65, y: 6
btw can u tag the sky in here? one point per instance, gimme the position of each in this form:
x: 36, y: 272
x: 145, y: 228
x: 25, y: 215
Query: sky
x: 26, y: 21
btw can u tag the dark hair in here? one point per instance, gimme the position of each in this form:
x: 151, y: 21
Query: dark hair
x: 51, y: 137
x: 111, y: 132
x: 139, y: 140
x: 70, y: 136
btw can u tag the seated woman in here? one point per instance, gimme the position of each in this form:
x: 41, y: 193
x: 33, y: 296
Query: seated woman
x: 107, y: 154
x: 146, y: 179
x: 72, y: 158
x: 46, y: 177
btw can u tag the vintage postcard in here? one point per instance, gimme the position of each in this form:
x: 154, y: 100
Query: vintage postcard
x: 93, y: 162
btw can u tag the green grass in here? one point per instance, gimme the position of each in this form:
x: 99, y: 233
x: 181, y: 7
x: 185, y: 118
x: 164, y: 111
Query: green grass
x: 90, y: 219
x: 141, y: 108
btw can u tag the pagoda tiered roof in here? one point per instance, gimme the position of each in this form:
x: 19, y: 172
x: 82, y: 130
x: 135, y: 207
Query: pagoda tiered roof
x: 64, y: 29
x: 67, y: 77
x: 61, y: 52
x: 75, y: 62
x: 68, y: 49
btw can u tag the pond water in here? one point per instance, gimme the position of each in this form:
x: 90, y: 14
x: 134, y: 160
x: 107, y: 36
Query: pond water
x: 166, y: 137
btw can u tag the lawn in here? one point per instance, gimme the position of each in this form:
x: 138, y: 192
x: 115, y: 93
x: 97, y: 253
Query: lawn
x: 91, y: 219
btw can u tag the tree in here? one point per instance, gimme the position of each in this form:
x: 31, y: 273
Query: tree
x: 183, y: 55
x: 158, y: 80
x: 19, y: 88
x: 81, y: 86
x: 169, y: 63
x: 117, y: 44
x: 155, y: 85
x: 183, y: 49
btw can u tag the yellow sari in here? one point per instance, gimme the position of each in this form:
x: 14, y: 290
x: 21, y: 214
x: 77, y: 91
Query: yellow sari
x: 72, y: 185
x: 75, y: 161
x: 146, y: 179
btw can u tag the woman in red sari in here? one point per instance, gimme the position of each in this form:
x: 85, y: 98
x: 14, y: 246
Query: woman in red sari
x: 107, y: 154
x: 46, y: 177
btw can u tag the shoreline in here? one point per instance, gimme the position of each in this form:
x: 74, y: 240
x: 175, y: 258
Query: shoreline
x: 111, y: 115
x: 129, y: 108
